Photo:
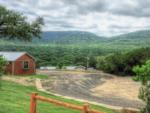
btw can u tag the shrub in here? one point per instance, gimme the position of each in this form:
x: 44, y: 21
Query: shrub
x: 143, y: 72
x: 122, y: 63
x: 143, y: 75
x: 2, y: 66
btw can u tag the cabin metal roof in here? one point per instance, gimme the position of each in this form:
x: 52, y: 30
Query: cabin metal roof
x: 12, y: 56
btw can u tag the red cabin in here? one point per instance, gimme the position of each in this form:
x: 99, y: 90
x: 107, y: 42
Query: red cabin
x: 19, y: 63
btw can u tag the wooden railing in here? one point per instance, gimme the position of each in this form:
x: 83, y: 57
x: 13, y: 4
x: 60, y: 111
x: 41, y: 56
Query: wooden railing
x: 33, y: 103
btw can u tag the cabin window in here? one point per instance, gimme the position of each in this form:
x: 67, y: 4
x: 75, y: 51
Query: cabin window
x: 25, y: 65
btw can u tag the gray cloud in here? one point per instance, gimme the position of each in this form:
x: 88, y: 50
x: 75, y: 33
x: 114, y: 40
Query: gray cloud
x: 60, y: 23
x: 99, y: 16
x: 137, y: 8
x: 86, y: 7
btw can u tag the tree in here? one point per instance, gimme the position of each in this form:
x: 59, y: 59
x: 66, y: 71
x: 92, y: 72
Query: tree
x: 143, y: 74
x: 2, y: 66
x: 60, y: 65
x: 14, y: 25
x: 123, y: 63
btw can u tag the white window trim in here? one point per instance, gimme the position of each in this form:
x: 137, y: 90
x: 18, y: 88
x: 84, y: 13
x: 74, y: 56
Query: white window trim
x: 23, y: 65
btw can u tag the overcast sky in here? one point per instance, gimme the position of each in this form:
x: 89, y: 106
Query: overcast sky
x: 103, y: 17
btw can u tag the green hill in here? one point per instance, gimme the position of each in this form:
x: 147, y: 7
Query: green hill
x: 82, y: 38
x: 69, y: 37
x: 140, y: 38
x: 61, y: 38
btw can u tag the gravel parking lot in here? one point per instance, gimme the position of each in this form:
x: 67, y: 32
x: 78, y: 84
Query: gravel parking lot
x: 99, y: 87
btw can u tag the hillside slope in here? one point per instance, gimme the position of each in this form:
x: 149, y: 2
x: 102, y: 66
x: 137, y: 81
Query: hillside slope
x: 15, y: 98
x: 82, y: 38
x: 136, y: 38
x: 69, y: 37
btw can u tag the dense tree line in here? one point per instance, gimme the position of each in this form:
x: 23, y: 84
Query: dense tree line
x: 59, y: 55
x: 122, y: 63
x: 114, y: 62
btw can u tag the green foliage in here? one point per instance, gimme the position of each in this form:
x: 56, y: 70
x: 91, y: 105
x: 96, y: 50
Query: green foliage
x: 2, y: 65
x: 58, y: 55
x: 122, y: 63
x: 14, y: 25
x: 118, y: 63
x: 145, y: 96
x: 92, y: 61
x: 60, y: 65
x: 41, y: 76
x: 143, y: 74
x: 135, y: 38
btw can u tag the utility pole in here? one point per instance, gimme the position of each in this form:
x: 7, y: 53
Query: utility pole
x: 87, y: 62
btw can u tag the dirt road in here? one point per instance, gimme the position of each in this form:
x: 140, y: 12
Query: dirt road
x: 99, y: 87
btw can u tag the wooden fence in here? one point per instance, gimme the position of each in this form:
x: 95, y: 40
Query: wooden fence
x: 33, y: 103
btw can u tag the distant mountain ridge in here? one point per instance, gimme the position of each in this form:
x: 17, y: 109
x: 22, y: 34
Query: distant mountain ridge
x: 69, y: 37
x: 134, y: 35
x: 138, y: 39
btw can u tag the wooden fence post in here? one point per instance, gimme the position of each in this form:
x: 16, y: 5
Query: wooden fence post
x: 33, y: 103
x: 86, y: 108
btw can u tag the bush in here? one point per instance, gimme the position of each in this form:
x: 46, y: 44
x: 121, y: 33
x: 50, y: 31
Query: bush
x: 122, y: 63
x: 2, y: 66
x: 143, y: 72
x: 145, y: 96
x: 143, y: 75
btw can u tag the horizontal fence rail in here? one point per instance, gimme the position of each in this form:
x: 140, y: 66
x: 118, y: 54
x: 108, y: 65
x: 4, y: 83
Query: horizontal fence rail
x: 33, y: 103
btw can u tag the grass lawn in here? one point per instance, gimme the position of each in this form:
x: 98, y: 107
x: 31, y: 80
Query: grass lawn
x: 41, y: 76
x: 15, y: 98
x: 38, y: 76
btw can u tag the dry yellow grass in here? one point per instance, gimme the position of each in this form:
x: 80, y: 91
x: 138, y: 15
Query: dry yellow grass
x: 123, y: 87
